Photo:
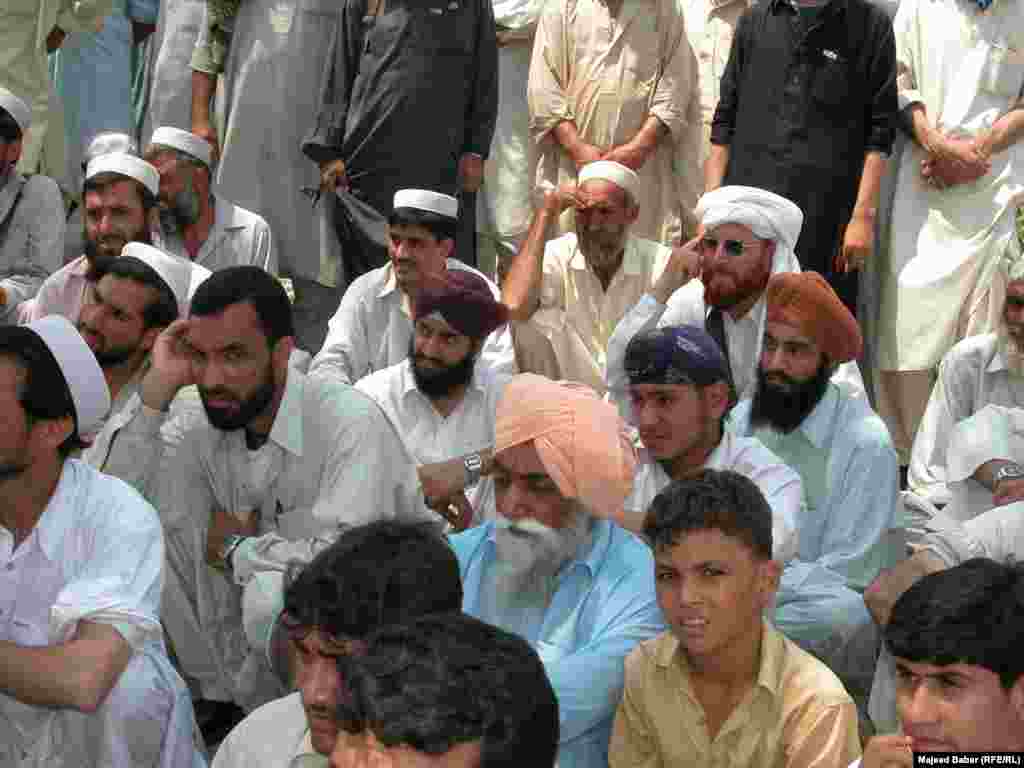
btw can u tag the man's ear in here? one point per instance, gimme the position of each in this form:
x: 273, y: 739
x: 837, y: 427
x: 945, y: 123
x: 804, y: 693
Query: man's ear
x: 1017, y: 701
x: 447, y: 247
x: 55, y: 431
x: 280, y: 355
x: 769, y: 574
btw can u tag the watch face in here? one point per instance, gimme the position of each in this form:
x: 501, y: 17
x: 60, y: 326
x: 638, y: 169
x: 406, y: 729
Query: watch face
x: 473, y: 463
x: 1010, y: 472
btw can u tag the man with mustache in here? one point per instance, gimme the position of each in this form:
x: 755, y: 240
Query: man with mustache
x: 31, y: 216
x: 372, y: 328
x: 959, y: 673
x: 979, y: 371
x: 373, y: 576
x: 440, y: 402
x: 285, y: 462
x: 120, y: 207
x: 553, y: 567
x: 573, y: 289
x: 847, y: 465
x: 196, y: 223
x: 723, y: 686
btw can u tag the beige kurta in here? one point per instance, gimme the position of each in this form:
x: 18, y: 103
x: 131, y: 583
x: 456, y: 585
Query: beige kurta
x: 24, y: 26
x: 607, y: 74
x: 967, y: 69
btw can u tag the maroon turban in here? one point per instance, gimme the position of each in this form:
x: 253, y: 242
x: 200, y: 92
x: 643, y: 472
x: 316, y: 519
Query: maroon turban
x: 464, y: 300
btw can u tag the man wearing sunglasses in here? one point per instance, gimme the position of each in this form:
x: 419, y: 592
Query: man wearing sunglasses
x: 717, y: 282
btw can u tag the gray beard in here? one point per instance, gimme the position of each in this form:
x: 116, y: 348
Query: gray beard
x: 529, y: 556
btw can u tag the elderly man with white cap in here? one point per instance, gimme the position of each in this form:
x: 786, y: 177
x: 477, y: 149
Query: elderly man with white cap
x: 195, y: 222
x: 573, y: 290
x: 554, y: 567
x: 718, y: 282
x: 119, y: 200
x: 84, y: 675
x: 372, y: 328
x: 32, y: 219
x: 140, y: 295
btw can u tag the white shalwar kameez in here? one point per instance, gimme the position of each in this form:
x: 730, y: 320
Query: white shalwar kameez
x: 967, y: 68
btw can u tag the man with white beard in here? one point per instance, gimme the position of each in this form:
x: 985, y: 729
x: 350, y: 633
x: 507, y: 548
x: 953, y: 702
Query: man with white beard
x: 978, y: 371
x: 552, y: 568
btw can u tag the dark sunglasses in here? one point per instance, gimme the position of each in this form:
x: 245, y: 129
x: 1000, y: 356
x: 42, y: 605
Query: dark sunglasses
x: 732, y: 247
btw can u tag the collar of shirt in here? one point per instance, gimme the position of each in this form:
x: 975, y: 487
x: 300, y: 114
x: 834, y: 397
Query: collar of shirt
x: 597, y: 544
x: 769, y: 673
x: 632, y: 261
x: 79, y: 266
x: 832, y: 7
x: 817, y: 426
x: 998, y: 362
x: 287, y: 428
x: 226, y: 216
x: 57, y: 518
x: 390, y: 285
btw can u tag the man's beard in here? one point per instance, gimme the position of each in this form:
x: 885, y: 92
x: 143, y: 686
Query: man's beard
x: 441, y: 381
x: 1010, y: 350
x: 249, y: 409
x: 183, y: 211
x: 114, y: 356
x: 529, y: 554
x: 784, y: 408
x: 602, y: 245
x: 744, y: 288
x: 101, y: 253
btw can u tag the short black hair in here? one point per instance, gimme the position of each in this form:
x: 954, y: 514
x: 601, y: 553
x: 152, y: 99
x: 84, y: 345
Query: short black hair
x: 164, y: 309
x: 445, y: 680
x: 44, y: 392
x: 385, y: 572
x: 712, y: 499
x: 263, y: 291
x: 103, y: 180
x: 10, y: 131
x: 441, y: 227
x: 971, y: 614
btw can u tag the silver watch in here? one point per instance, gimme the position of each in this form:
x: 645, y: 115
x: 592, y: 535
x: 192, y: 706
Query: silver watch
x: 1008, y: 471
x: 474, y: 468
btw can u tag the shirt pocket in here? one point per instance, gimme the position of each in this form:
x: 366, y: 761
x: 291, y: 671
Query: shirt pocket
x: 1003, y: 71
x: 831, y: 85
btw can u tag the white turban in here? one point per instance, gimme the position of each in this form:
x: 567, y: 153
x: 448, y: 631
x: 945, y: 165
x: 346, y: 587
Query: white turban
x: 608, y: 170
x: 105, y: 142
x: 124, y: 164
x: 767, y: 215
x: 17, y: 108
x: 181, y: 275
x: 183, y: 141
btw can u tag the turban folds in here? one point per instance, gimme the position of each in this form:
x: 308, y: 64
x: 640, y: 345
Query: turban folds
x: 675, y: 354
x: 767, y: 215
x: 581, y: 440
x: 806, y: 301
x: 464, y: 300
x: 609, y: 170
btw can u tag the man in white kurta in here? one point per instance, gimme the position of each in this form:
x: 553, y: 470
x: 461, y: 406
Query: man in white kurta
x: 84, y: 677
x: 28, y: 31
x: 960, y: 81
x: 441, y: 403
x: 372, y: 328
x: 980, y: 370
x: 283, y: 464
x: 196, y: 223
x: 31, y: 216
x: 618, y: 81
x: 504, y: 202
x: 168, y: 71
x: 573, y: 290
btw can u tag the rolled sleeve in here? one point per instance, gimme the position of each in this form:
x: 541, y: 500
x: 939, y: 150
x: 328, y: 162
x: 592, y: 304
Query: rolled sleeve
x: 549, y: 67
x: 826, y: 737
x: 905, y: 32
x: 723, y: 125
x: 883, y: 103
x: 482, y: 110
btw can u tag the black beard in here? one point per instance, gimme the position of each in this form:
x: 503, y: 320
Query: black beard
x: 437, y: 383
x: 251, y: 408
x: 114, y: 357
x: 98, y: 263
x: 785, y: 409
x: 182, y: 212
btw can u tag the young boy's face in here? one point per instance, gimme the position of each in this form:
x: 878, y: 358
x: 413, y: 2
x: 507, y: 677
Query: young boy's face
x: 712, y: 590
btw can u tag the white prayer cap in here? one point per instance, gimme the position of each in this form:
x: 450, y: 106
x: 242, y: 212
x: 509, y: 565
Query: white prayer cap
x: 125, y: 165
x: 616, y: 173
x: 1013, y: 261
x: 182, y: 276
x: 16, y: 108
x: 82, y: 373
x: 425, y: 200
x: 767, y: 215
x: 186, y: 142
x: 109, y: 141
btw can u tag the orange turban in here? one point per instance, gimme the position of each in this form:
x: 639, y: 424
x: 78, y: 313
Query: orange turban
x: 806, y: 301
x: 581, y: 440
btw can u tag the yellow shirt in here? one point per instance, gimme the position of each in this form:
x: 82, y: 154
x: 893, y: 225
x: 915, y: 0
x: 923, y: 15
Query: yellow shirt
x: 797, y: 715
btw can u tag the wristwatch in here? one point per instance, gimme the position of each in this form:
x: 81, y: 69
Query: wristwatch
x: 230, y: 545
x: 1008, y: 471
x: 474, y: 468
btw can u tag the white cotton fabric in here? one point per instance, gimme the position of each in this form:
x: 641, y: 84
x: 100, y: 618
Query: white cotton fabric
x: 181, y: 276
x: 126, y: 165
x: 768, y: 215
x: 426, y: 200
x: 616, y: 173
x: 184, y: 141
x: 17, y: 108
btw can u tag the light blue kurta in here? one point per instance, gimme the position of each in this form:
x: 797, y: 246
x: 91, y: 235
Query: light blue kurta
x: 603, y: 606
x: 845, y: 457
x: 92, y: 72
